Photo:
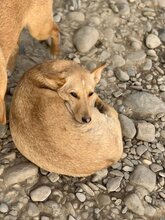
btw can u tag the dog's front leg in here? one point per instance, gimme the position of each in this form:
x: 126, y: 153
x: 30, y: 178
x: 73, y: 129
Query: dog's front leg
x: 105, y: 108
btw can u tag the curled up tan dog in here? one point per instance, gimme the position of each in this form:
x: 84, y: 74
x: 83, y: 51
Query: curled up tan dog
x: 59, y: 123
x: 37, y: 16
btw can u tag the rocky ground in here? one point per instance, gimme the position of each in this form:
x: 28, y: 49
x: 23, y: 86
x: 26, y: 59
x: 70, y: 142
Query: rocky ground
x: 130, y: 37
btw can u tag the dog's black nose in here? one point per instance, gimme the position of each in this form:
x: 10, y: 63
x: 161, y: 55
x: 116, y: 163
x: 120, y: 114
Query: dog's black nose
x: 86, y: 119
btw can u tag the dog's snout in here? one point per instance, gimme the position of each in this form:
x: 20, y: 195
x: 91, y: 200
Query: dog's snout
x: 86, y: 119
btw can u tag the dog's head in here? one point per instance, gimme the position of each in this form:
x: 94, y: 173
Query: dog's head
x: 78, y: 91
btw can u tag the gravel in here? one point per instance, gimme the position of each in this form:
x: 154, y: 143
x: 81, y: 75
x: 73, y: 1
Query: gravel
x: 129, y: 37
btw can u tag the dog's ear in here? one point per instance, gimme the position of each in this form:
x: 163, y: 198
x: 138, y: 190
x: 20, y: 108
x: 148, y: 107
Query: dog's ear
x: 56, y: 81
x: 2, y: 112
x: 97, y: 72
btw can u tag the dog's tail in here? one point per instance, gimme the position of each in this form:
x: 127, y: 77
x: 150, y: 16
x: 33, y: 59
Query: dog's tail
x: 3, y: 86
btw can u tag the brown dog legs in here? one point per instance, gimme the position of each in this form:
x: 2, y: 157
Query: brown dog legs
x: 55, y: 50
x: 3, y: 86
x: 44, y: 31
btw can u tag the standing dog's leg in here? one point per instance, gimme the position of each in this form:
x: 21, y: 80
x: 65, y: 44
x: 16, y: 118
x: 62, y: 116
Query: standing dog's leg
x: 42, y: 26
x: 55, y: 50
x: 3, y: 86
x: 12, y: 59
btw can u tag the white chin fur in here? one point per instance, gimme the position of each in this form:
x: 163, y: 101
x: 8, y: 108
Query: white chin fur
x: 68, y: 107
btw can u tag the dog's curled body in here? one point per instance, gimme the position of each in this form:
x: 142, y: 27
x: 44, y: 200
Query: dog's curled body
x: 46, y: 133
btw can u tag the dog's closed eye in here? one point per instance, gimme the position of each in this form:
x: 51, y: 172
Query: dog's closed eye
x: 90, y: 94
x: 74, y: 95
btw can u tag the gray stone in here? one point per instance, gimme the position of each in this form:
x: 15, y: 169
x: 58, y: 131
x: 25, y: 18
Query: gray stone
x: 145, y: 132
x: 162, y: 88
x: 32, y: 210
x: 156, y: 167
x: 152, y: 41
x: 142, y: 105
x: 81, y: 197
x: 4, y: 208
x: 108, y: 34
x: 133, y: 203
x: 128, y: 168
x: 137, y: 56
x: 128, y: 127
x: 150, y: 211
x: 162, y: 35
x: 1, y: 169
x: 45, y: 217
x: 123, y: 7
x: 148, y: 65
x: 162, y: 195
x: 113, y: 184
x: 149, y: 77
x: 19, y: 173
x: 87, y: 189
x: 71, y: 218
x: 141, y: 192
x: 40, y: 194
x: 117, y: 61
x: 103, y: 199
x: 161, y: 3
x: 160, y: 147
x: 76, y: 16
x: 85, y: 38
x: 3, y: 129
x: 99, y: 175
x: 140, y: 150
x: 162, y: 133
x: 94, y: 21
x: 148, y: 199
x: 142, y: 176
x: 53, y: 177
x: 121, y: 75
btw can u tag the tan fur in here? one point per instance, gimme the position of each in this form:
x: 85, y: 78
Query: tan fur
x: 14, y: 16
x: 54, y: 138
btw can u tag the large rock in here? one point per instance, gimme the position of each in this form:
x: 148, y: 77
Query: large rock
x: 133, y: 203
x: 143, y: 105
x: 142, y: 176
x: 128, y: 127
x: 146, y: 132
x: 20, y: 173
x: 85, y: 38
